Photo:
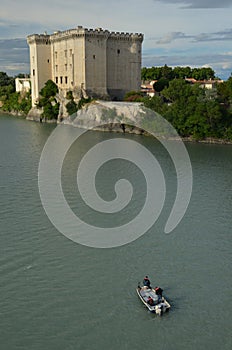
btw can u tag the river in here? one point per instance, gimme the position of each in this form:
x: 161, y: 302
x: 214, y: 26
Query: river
x: 57, y: 294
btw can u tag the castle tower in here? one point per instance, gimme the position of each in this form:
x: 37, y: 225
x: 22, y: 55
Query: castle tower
x: 103, y: 63
x: 40, y: 63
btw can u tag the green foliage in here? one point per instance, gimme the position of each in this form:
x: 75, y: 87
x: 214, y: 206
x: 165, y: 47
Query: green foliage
x: 156, y: 73
x: 6, y: 80
x: 71, y: 107
x: 48, y: 102
x: 224, y: 91
x: 11, y: 100
x: 157, y: 104
x: 133, y: 96
x: 25, y: 104
x: 69, y: 95
x: 15, y: 102
x: 50, y: 111
x: 49, y: 90
x: 161, y: 84
x: 83, y: 101
x: 193, y: 111
x: 5, y: 91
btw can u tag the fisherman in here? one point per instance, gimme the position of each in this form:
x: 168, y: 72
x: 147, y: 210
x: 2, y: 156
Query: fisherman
x: 146, y: 282
x: 150, y: 301
x: 159, y: 292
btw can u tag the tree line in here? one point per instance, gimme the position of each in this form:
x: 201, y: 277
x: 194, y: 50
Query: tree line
x: 193, y: 111
x: 166, y: 72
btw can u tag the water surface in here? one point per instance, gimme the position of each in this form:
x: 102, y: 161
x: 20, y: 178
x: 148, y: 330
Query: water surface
x: 56, y: 294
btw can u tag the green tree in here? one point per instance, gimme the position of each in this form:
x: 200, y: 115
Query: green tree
x: 71, y: 107
x: 161, y: 84
x: 48, y: 101
x: 49, y: 90
x: 6, y: 80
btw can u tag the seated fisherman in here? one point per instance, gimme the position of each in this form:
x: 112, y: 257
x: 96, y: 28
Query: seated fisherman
x: 150, y: 301
x: 146, y: 282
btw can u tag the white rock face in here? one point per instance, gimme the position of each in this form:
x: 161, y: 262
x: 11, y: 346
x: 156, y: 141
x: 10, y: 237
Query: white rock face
x: 101, y: 113
x: 129, y: 117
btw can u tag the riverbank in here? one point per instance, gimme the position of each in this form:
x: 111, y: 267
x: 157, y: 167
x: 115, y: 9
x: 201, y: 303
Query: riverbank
x: 110, y: 126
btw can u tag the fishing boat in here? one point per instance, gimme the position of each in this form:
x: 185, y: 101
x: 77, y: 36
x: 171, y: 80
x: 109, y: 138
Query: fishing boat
x: 151, y: 298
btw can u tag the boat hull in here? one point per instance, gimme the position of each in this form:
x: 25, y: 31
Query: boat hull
x: 160, y: 304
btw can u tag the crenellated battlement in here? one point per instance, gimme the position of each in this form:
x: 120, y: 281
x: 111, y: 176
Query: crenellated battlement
x: 38, y: 39
x: 82, y: 32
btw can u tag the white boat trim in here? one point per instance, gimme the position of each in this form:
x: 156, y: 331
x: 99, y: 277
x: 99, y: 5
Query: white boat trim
x: 160, y: 307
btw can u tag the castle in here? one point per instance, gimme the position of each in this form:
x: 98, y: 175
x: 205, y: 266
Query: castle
x: 96, y: 62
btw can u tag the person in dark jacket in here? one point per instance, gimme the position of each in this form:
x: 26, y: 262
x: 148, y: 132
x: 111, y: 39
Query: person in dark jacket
x: 146, y: 282
x: 159, y: 292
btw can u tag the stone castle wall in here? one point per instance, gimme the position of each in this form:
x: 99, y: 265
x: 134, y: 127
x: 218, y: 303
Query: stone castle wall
x: 102, y: 63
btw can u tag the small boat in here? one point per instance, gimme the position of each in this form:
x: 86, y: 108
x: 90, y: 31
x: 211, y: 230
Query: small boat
x: 154, y: 302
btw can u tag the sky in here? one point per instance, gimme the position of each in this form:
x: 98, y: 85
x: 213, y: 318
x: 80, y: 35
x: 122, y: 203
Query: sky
x: 196, y: 33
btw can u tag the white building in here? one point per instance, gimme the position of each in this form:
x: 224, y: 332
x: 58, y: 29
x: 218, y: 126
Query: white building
x: 22, y: 84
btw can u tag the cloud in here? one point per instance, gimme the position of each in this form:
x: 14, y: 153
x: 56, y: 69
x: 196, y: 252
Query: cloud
x: 14, y: 56
x: 19, y: 29
x: 199, y: 4
x: 217, y: 36
x: 168, y: 38
x: 221, y: 63
x: 224, y: 35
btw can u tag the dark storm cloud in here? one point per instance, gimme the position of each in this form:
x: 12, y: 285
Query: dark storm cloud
x: 199, y: 4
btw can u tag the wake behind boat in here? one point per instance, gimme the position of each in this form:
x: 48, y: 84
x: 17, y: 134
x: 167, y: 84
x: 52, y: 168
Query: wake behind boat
x: 152, y: 298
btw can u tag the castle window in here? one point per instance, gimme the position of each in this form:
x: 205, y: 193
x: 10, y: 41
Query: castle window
x: 70, y: 52
x: 48, y: 61
x: 56, y: 80
x: 66, y: 80
x: 61, y: 80
x: 56, y: 55
x: 33, y: 72
x: 65, y: 53
x: 118, y: 51
x: 94, y: 57
x: 66, y: 67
